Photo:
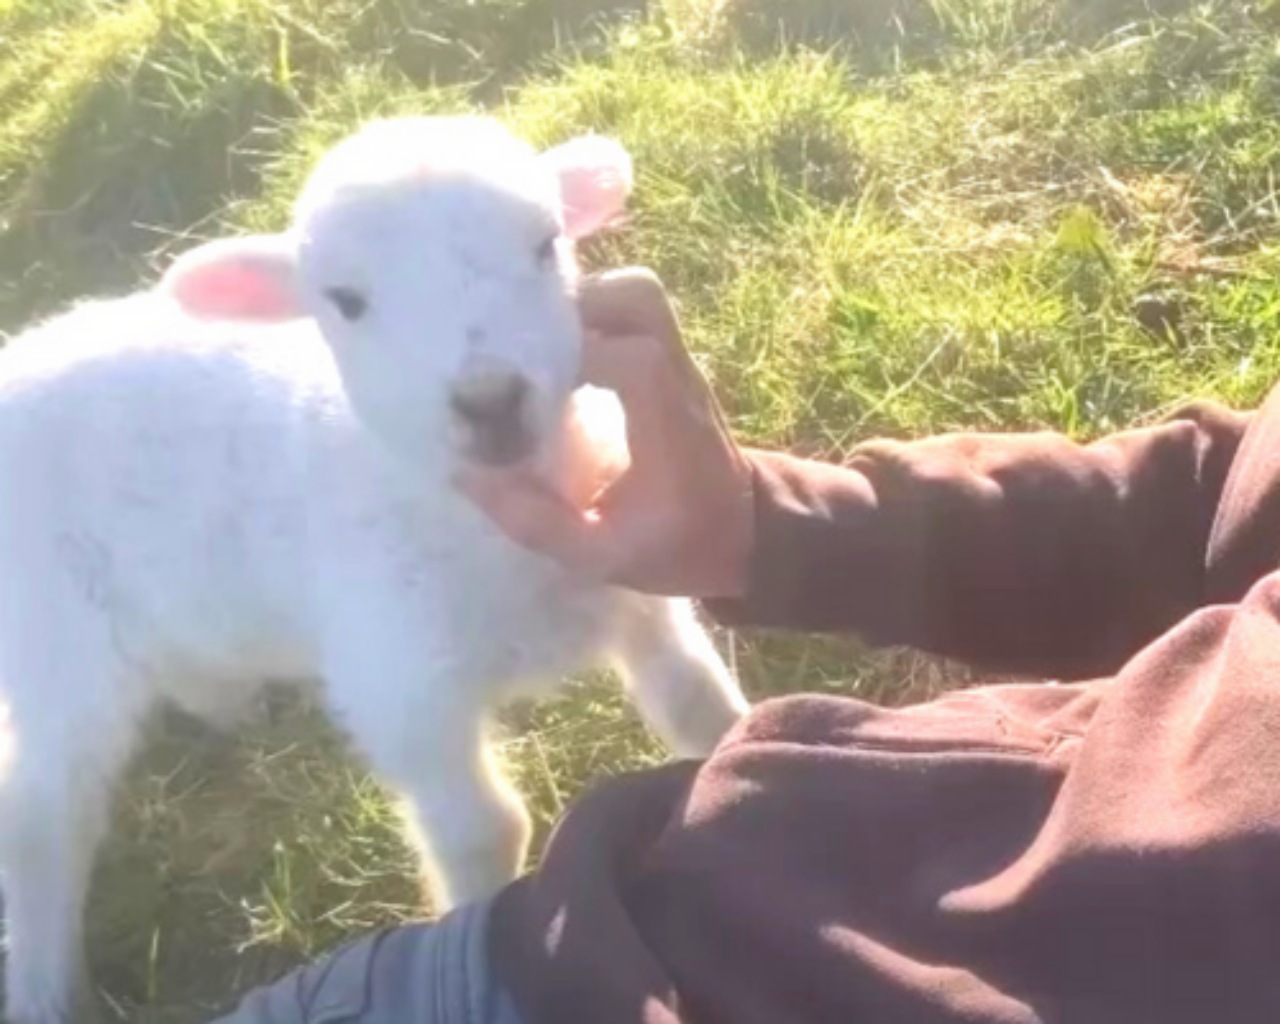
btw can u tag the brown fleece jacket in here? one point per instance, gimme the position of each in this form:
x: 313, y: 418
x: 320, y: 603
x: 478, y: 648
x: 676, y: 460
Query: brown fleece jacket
x: 1104, y: 849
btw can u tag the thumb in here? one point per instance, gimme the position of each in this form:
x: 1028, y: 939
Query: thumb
x: 537, y: 518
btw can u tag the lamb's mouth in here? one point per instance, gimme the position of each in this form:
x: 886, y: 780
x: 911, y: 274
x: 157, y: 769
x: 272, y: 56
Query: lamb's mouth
x: 494, y: 446
x: 492, y: 413
x: 498, y: 448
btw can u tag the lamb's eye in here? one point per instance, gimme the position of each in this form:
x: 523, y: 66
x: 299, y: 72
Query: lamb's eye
x: 547, y: 252
x: 351, y: 305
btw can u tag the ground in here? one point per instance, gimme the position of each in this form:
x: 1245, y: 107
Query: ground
x: 880, y: 217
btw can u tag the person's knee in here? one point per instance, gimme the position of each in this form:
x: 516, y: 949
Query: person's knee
x: 412, y: 974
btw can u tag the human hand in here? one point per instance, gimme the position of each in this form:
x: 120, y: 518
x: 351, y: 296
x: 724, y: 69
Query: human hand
x: 679, y: 520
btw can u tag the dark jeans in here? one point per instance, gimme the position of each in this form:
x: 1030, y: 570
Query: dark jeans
x: 415, y: 974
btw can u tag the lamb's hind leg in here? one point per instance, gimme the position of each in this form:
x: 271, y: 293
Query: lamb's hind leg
x: 53, y: 814
x: 676, y: 676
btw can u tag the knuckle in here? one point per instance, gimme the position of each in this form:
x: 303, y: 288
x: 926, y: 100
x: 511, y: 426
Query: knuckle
x: 643, y: 284
x: 625, y: 301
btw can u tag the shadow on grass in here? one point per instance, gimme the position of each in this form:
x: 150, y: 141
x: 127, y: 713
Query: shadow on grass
x: 115, y: 185
x: 164, y: 141
x: 879, y: 34
x: 235, y: 858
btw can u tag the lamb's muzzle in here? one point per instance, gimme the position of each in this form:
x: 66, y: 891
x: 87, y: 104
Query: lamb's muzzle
x: 492, y: 409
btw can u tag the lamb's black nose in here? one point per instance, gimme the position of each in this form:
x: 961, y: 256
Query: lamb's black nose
x: 492, y: 407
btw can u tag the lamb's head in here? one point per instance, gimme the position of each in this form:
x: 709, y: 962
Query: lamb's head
x: 436, y: 257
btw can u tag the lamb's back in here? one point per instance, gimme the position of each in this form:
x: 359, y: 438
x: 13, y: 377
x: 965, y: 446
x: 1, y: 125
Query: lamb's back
x: 169, y: 455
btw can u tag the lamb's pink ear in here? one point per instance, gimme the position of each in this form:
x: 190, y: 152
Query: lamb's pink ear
x: 251, y: 278
x: 595, y: 180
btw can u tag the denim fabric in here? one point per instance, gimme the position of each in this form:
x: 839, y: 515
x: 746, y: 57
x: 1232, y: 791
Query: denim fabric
x: 434, y: 973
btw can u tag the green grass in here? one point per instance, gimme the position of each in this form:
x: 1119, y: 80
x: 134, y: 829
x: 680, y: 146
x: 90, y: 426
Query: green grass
x: 879, y: 217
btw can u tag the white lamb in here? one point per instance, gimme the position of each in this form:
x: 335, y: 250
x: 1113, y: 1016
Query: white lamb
x: 243, y: 476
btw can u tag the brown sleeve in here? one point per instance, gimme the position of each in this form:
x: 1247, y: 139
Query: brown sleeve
x: 1022, y: 553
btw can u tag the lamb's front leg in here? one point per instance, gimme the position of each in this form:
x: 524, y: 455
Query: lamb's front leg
x: 424, y: 734
x: 470, y: 824
x: 675, y: 675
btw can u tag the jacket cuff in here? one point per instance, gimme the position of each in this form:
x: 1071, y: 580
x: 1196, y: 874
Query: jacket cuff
x: 806, y: 512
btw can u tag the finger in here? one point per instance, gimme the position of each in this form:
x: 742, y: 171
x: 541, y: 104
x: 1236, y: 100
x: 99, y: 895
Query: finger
x: 633, y: 302
x: 628, y: 301
x: 639, y: 372
x: 667, y: 401
x: 538, y: 519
